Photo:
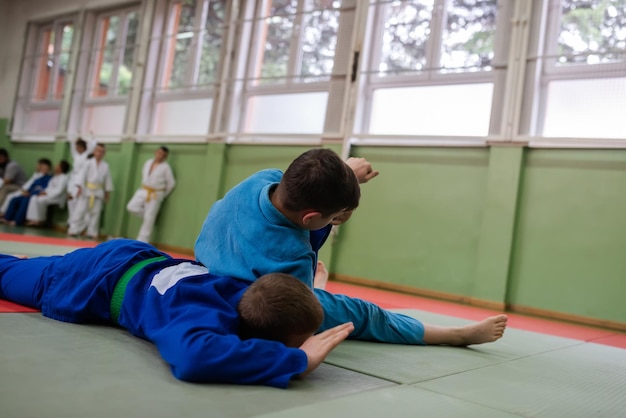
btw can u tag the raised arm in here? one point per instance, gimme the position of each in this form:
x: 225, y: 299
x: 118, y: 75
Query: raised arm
x: 362, y: 169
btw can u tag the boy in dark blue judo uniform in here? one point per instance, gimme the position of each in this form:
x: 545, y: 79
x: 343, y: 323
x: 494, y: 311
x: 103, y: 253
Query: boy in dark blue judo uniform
x: 208, y: 328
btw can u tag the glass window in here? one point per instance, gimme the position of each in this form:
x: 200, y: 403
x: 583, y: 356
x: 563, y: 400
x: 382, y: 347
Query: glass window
x: 193, y: 43
x: 592, y: 32
x: 52, y: 59
x: 446, y: 36
x: 113, y: 54
x: 405, y: 32
x: 429, y: 68
x: 468, y: 35
x: 583, y: 82
x: 296, y: 41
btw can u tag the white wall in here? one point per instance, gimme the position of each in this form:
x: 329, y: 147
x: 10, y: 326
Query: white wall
x: 14, y: 16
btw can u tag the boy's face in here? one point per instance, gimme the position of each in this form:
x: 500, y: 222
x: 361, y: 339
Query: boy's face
x: 43, y: 168
x: 99, y: 152
x: 160, y: 155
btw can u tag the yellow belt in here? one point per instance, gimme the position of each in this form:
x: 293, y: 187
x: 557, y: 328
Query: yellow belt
x: 92, y: 198
x: 151, y: 192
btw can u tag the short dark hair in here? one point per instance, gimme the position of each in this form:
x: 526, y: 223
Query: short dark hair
x: 4, y: 153
x: 45, y: 161
x: 81, y: 142
x: 277, y: 307
x: 65, y: 166
x: 320, y: 180
x: 165, y: 149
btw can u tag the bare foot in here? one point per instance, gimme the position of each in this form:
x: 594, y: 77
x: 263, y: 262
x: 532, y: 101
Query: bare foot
x: 486, y: 331
x: 321, y: 276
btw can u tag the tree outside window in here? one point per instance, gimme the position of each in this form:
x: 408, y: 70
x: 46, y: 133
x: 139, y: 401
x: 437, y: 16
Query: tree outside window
x: 439, y: 35
x: 113, y: 57
x: 192, y: 44
x: 296, y: 41
x: 592, y: 32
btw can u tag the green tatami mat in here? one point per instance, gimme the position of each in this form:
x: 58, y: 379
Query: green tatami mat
x: 587, y: 380
x: 399, y: 401
x: 33, y: 250
x: 53, y: 369
x: 412, y: 364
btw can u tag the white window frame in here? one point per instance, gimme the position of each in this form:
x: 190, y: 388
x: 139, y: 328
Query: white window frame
x: 247, y: 88
x: 431, y: 75
x: 29, y: 73
x: 549, y: 71
x: 294, y: 61
x: 50, y: 101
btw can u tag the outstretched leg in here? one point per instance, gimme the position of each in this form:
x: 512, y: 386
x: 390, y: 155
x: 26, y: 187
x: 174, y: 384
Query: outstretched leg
x: 20, y: 279
x: 488, y: 330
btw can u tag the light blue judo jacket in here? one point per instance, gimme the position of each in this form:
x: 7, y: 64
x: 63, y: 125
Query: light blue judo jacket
x: 245, y: 236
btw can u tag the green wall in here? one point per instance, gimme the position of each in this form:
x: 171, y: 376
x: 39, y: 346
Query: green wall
x: 570, y: 242
x: 534, y: 228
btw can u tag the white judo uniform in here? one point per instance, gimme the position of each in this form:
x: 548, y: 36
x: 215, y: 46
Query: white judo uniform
x: 55, y: 194
x: 94, y: 180
x: 157, y: 183
x: 78, y: 163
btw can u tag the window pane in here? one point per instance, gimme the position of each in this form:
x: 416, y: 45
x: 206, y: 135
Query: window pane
x: 278, y: 27
x: 455, y: 110
x: 179, y: 40
x: 125, y: 75
x: 105, y: 55
x: 319, y: 39
x: 592, y: 32
x: 180, y: 61
x: 67, y: 32
x: 212, y: 42
x: 467, y: 42
x: 44, y: 65
x: 586, y: 108
x: 106, y: 120
x: 263, y: 118
x: 182, y: 117
x: 406, y: 31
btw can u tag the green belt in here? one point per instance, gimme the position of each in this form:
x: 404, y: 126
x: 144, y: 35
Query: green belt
x: 120, y: 287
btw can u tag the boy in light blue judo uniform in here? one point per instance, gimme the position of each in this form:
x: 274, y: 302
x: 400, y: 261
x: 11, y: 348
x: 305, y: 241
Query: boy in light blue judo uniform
x: 208, y: 328
x: 275, y: 221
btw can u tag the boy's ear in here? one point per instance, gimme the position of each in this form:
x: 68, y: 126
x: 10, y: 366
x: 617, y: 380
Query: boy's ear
x: 310, y: 215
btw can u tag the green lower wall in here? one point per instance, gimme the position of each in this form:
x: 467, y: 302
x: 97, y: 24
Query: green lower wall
x: 570, y: 242
x: 536, y: 228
